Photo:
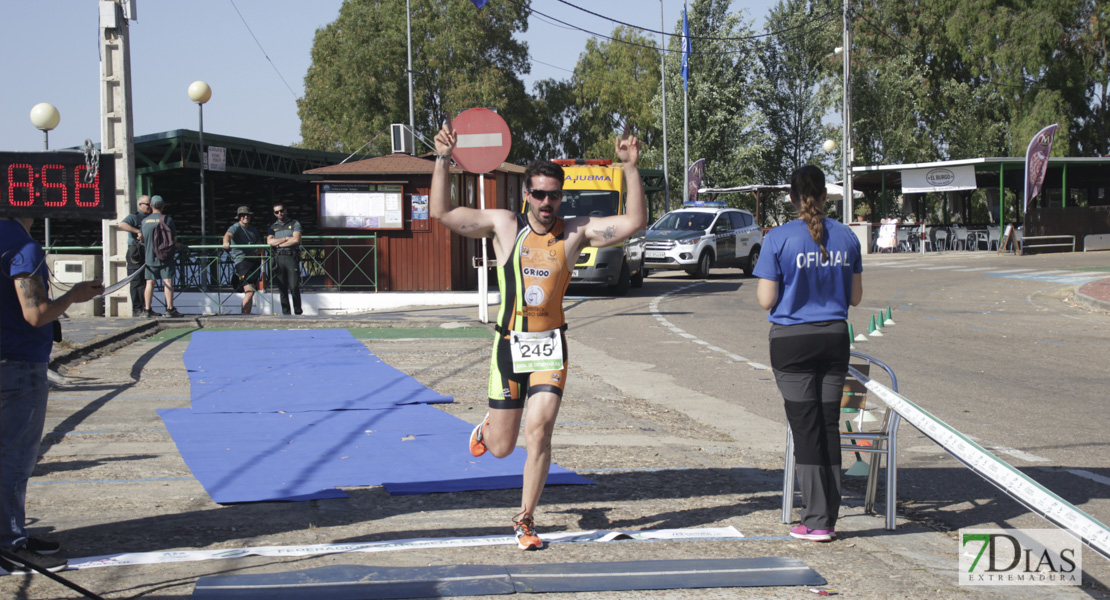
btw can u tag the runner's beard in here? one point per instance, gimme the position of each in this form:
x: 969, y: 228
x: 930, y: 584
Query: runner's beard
x: 545, y: 219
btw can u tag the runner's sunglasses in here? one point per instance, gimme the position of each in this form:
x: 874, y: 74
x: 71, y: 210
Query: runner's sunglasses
x: 542, y: 194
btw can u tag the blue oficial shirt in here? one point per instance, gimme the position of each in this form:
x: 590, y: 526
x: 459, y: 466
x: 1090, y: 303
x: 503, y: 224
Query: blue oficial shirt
x: 811, y: 288
x: 21, y: 255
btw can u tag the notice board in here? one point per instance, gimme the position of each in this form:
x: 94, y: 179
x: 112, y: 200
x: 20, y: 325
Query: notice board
x: 361, y: 206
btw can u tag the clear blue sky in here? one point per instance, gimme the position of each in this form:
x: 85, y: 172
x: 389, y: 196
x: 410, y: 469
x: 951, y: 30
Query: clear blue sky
x: 52, y: 55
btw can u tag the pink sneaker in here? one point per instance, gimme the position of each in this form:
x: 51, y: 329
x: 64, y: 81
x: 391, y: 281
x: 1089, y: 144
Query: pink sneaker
x: 814, y: 535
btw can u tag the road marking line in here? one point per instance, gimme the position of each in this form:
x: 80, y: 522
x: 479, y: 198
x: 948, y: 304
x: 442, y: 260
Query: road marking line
x: 1014, y: 452
x: 939, y: 268
x: 976, y: 269
x: 1090, y: 475
x: 654, y: 307
x: 1015, y: 271
x: 1007, y: 450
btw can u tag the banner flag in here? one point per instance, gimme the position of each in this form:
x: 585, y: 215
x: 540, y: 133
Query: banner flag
x: 694, y: 176
x: 1036, y: 162
x: 685, y: 50
x: 479, y: 3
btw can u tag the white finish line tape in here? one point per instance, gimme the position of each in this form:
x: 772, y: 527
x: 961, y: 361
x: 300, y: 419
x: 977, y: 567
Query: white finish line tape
x: 1016, y: 484
x: 151, y: 558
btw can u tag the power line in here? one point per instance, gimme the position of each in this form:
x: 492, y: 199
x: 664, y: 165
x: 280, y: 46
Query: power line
x: 818, y: 20
x: 694, y: 37
x: 245, y: 24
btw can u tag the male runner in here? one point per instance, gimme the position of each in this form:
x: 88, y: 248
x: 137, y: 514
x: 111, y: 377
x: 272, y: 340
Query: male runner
x: 535, y: 254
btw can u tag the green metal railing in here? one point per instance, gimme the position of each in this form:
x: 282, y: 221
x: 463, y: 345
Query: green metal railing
x: 328, y: 263
x: 343, y: 263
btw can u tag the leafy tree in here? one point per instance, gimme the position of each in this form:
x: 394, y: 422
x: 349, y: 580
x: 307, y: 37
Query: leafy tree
x: 800, y: 85
x: 1013, y: 67
x: 724, y: 126
x: 1092, y: 133
x: 615, y: 84
x: 463, y: 57
x: 556, y: 130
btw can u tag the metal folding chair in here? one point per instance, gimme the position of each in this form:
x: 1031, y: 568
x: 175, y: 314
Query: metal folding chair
x: 884, y: 442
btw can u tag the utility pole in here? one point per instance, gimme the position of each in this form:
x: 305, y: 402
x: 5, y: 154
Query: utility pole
x: 412, y: 114
x: 117, y: 135
x: 847, y: 152
x: 663, y: 92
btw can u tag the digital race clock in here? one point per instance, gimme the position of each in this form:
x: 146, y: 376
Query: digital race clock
x: 56, y: 185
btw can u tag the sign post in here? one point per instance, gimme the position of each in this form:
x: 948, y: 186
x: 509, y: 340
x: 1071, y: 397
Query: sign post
x: 483, y: 144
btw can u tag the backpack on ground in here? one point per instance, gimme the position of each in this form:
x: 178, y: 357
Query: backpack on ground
x: 163, y: 242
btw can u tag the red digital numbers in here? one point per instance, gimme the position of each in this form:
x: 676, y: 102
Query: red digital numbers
x: 54, y: 185
x: 79, y: 184
x: 27, y: 185
x: 44, y: 174
x: 55, y: 192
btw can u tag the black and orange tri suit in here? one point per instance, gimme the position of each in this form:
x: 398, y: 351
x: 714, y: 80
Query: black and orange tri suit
x: 533, y: 280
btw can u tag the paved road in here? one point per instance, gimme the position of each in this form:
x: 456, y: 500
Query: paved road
x: 670, y: 409
x: 993, y: 345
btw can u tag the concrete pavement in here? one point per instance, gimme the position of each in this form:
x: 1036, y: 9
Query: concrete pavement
x: 1094, y: 295
x: 679, y: 474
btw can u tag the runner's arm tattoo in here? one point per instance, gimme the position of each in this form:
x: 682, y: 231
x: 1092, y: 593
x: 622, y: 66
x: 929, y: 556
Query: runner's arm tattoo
x: 608, y: 233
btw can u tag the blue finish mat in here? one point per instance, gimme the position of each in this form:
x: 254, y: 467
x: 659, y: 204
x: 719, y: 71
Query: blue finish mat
x: 294, y: 370
x: 294, y: 414
x: 252, y: 457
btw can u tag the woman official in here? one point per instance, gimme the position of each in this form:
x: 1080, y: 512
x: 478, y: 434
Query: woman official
x: 810, y: 271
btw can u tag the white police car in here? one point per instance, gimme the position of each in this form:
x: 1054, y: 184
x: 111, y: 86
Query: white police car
x: 703, y: 235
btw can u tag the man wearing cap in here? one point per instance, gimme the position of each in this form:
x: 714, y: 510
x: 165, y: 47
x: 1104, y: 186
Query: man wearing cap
x: 242, y: 233
x: 285, y: 240
x: 156, y: 268
x: 136, y: 255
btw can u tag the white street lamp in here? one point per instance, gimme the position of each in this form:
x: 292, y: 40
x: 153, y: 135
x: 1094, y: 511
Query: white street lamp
x: 200, y: 93
x: 45, y: 117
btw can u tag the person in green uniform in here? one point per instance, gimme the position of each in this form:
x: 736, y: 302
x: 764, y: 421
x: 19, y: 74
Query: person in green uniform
x: 242, y: 233
x: 136, y: 252
x: 285, y: 240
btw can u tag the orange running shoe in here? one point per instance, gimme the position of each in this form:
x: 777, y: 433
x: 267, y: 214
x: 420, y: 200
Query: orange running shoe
x: 526, y: 537
x: 477, y: 446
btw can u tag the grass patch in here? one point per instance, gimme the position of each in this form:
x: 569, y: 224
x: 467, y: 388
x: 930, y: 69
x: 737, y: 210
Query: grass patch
x: 1107, y: 269
x: 184, y: 334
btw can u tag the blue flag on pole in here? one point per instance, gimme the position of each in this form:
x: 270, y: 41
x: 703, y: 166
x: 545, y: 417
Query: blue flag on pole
x: 479, y: 3
x: 685, y: 50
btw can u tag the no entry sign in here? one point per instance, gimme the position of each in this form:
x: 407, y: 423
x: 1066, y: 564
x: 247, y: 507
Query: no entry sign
x: 484, y: 140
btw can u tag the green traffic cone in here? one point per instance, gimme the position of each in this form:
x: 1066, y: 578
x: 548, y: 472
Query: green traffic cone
x: 889, y: 317
x: 880, y: 320
x: 872, y: 330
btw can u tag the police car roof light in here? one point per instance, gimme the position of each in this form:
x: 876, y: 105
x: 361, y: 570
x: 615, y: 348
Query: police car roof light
x: 566, y: 162
x: 706, y: 203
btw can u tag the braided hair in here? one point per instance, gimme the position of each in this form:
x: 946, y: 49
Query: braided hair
x: 807, y: 192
